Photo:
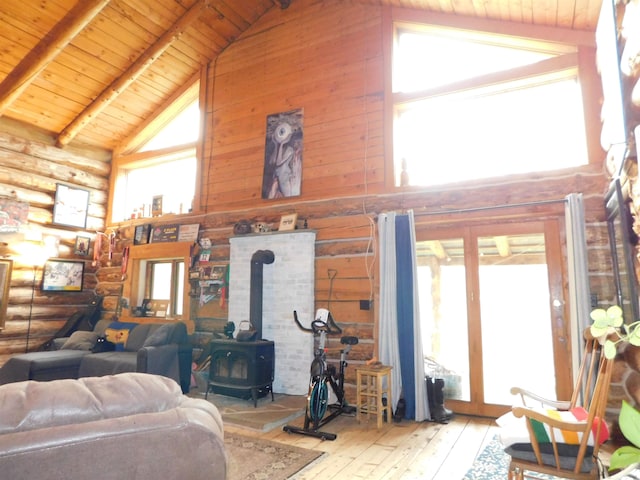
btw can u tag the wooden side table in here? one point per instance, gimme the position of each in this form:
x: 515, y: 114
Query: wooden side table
x: 371, y: 388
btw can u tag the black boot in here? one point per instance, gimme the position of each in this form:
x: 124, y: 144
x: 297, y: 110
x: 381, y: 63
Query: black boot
x: 442, y: 414
x: 401, y: 409
x: 435, y: 394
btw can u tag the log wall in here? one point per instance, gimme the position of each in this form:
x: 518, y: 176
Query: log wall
x: 30, y: 168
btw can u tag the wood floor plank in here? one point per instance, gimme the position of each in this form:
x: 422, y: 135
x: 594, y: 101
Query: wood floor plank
x: 397, y: 451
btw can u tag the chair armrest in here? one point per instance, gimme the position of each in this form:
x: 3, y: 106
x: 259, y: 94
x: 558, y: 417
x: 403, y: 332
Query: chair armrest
x: 529, y: 413
x: 159, y: 360
x: 526, y: 394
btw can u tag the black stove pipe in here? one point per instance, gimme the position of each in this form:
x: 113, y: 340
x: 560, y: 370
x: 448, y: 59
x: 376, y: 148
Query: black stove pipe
x: 258, y: 260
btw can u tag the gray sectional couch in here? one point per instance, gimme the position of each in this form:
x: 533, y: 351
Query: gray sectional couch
x: 158, y: 348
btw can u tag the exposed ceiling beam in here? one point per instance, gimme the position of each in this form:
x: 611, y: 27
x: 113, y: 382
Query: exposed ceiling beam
x: 136, y: 69
x: 47, y: 49
x: 438, y: 249
x: 502, y: 244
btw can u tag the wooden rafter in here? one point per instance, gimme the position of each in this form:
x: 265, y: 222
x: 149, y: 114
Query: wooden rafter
x: 502, y: 244
x: 136, y: 69
x: 438, y: 249
x: 47, y: 49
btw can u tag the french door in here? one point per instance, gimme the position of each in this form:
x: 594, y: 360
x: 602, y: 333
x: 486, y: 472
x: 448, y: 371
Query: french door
x: 492, y: 313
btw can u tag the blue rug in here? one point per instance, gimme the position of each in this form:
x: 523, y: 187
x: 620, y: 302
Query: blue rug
x: 493, y: 464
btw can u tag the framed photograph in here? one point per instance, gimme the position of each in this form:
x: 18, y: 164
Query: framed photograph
x: 70, y: 206
x: 82, y: 245
x: 63, y: 276
x: 141, y: 235
x: 288, y: 222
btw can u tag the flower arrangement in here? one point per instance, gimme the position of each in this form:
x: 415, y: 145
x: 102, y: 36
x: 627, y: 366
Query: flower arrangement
x: 605, y: 323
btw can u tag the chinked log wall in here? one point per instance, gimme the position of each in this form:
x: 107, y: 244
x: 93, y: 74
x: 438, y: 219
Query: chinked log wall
x: 30, y: 168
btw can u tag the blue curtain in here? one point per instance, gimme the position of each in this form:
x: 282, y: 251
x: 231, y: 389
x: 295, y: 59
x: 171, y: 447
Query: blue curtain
x: 400, y: 337
x: 404, y: 306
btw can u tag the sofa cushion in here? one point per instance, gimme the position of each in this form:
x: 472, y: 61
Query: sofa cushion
x: 31, y: 405
x: 159, y: 335
x: 118, y: 333
x: 80, y: 341
x: 108, y: 363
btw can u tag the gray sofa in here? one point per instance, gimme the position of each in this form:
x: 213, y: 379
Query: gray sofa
x: 127, y: 426
x: 158, y: 348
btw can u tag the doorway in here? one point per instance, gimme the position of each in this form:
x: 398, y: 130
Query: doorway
x: 489, y: 301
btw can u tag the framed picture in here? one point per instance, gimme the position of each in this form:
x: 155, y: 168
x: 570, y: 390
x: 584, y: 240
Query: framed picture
x: 141, y: 235
x: 156, y: 206
x: 63, y: 276
x: 70, y: 206
x: 82, y: 245
x: 288, y: 222
x: 282, y: 171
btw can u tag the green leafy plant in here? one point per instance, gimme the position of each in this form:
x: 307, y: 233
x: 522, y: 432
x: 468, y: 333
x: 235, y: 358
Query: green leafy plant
x: 607, y: 324
x: 629, y: 421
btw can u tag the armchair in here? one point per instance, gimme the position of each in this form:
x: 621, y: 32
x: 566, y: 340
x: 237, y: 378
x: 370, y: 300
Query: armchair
x: 561, y: 438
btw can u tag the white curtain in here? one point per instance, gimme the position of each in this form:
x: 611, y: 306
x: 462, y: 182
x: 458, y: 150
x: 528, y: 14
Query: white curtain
x: 390, y: 344
x: 388, y: 336
x: 579, y: 293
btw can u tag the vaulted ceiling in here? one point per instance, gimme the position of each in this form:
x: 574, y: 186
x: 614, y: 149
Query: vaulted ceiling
x: 96, y: 72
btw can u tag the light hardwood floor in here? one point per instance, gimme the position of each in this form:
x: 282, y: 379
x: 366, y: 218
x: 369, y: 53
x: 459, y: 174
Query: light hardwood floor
x: 404, y: 450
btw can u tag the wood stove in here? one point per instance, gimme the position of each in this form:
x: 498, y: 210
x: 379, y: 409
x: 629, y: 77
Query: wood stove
x: 245, y: 369
x: 242, y: 369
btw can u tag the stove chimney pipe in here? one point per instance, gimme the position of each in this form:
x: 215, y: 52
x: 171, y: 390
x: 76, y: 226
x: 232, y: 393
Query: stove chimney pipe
x: 258, y: 260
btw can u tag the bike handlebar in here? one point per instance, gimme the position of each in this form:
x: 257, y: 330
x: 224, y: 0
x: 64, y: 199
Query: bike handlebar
x: 318, y: 325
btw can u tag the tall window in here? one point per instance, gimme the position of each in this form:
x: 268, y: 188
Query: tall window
x: 164, y: 167
x: 470, y: 106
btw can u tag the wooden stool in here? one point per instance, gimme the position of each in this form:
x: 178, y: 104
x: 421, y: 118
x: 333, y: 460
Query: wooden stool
x: 371, y: 389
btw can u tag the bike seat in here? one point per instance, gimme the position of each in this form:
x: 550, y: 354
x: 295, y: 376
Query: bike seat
x: 349, y: 340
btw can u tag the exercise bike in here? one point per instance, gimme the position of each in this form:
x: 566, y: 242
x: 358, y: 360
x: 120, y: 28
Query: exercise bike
x: 318, y: 411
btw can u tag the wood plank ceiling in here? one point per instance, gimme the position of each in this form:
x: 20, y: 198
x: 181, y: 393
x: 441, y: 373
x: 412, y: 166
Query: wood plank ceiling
x: 96, y: 72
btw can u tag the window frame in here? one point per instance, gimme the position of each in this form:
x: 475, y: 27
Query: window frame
x: 581, y: 61
x: 134, y: 290
x: 175, y: 281
x: 124, y: 163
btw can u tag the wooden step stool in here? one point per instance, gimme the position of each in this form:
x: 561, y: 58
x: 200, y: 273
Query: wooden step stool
x: 371, y: 389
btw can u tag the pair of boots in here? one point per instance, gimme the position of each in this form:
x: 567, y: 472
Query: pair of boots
x: 435, y: 393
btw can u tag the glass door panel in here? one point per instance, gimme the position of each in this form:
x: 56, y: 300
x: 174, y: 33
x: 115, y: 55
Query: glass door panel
x: 485, y: 299
x: 443, y: 309
x: 517, y: 342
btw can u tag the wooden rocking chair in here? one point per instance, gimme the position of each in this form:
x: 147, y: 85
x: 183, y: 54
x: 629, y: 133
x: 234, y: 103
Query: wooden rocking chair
x: 562, y: 438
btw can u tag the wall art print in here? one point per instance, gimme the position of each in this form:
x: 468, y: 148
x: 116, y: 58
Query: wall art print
x: 13, y: 215
x: 282, y: 175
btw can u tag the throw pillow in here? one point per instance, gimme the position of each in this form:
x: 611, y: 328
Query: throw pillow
x: 118, y: 333
x: 159, y: 337
x: 80, y: 341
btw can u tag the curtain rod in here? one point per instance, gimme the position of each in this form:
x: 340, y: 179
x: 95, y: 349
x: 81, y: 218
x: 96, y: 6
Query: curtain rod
x: 492, y: 207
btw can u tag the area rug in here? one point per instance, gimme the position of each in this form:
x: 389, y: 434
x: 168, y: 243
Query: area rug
x: 264, y: 417
x: 493, y: 464
x: 256, y: 459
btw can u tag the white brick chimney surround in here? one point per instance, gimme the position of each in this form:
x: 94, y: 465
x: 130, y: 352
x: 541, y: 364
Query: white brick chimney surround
x: 288, y: 285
